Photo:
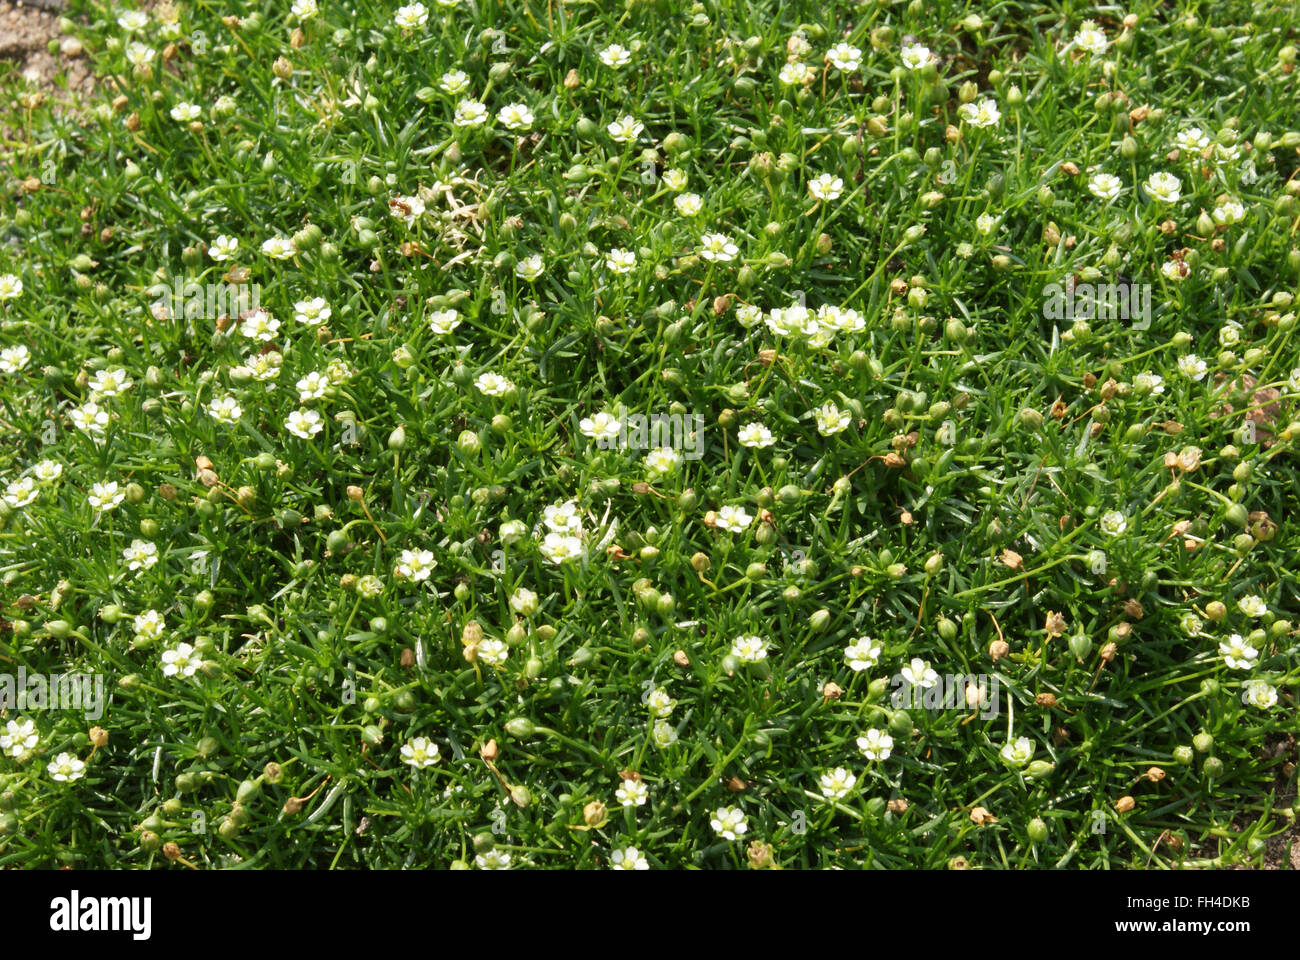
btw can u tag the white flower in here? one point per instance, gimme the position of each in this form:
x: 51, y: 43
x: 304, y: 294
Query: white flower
x: 139, y: 55
x: 493, y: 860
x: 749, y: 315
x: 625, y: 129
x: 149, y: 625
x: 312, y: 312
x: 755, y: 435
x: 663, y: 733
x: 796, y: 74
x: 986, y: 223
x: 21, y: 492
x: 602, y: 427
x: 225, y: 409
x: 1164, y: 187
x: 416, y: 564
x: 1190, y: 365
x: 493, y: 384
x: 826, y: 186
x: 260, y: 325
x: 1105, y: 185
x: 264, y: 366
x: 493, y: 652
x: 133, y: 20
x: 411, y: 16
x: 1259, y: 693
x: 982, y: 114
x: 304, y: 423
x: 1230, y: 334
x: 659, y: 703
x: 223, y: 248
x: 18, y: 738
x: 733, y: 519
x: 749, y: 649
x: 523, y: 601
x: 1149, y: 382
x: 470, y: 113
x: 141, y: 555
x: 1174, y: 270
x: 515, y: 116
x: 920, y: 674
x: 303, y: 9
x: 443, y: 322
x: 454, y: 82
x: 89, y: 418
x: 615, y: 55
x: 620, y: 261
x: 1237, y: 653
x: 876, y: 745
x: 1019, y: 753
x: 862, y: 654
x: 915, y: 56
x: 632, y: 793
x: 1252, y: 606
x: 831, y: 419
x: 675, y: 179
x: 718, y: 246
x: 13, y: 359
x: 837, y: 783
x: 66, y: 767
x: 312, y: 386
x: 530, y: 268
x: 370, y: 586
x: 662, y: 460
x: 1113, y: 523
x: 420, y: 752
x: 1229, y: 212
x: 1090, y: 39
x: 628, y: 858
x: 1193, y: 140
x: 185, y: 112
x: 557, y: 548
x: 105, y: 496
x: 180, y: 660
x: 563, y: 517
x: 844, y: 57
x: 688, y: 204
x: 278, y: 248
x: 47, y: 471
x: 729, y: 822
x: 109, y: 383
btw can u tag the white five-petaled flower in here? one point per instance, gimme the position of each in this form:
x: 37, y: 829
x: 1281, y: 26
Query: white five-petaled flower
x: 733, y: 519
x: 1192, y: 366
x: 141, y: 555
x: 149, y: 625
x: 876, y: 745
x: 180, y: 660
x: 18, y: 738
x: 454, y: 82
x: 1112, y: 523
x: 493, y: 860
x: 223, y: 248
x: 659, y: 703
x: 530, y: 268
x: 304, y: 423
x: 1164, y: 187
x: 493, y: 651
x: 312, y: 312
x: 982, y: 114
x: 109, y: 383
x: 620, y: 261
x: 719, y: 247
x: 515, y: 116
x: 66, y: 767
x: 915, y: 56
x: 862, y: 654
x: 492, y: 384
x: 558, y: 547
x: 1107, y: 186
x: 420, y: 752
x: 628, y: 858
x: 1252, y: 606
x: 831, y: 419
x: 443, y: 322
x: 105, y: 496
x: 919, y: 673
x: 19, y: 493
x: 688, y: 204
x: 312, y: 386
x: 663, y: 733
x: 470, y: 113
x: 601, y: 427
x: 563, y: 517
x: 749, y: 649
x: 662, y: 460
x: 837, y: 783
x: 625, y: 129
x: 755, y: 435
x: 415, y: 564
x: 1237, y: 653
x: 410, y: 16
x: 260, y: 325
x: 1259, y: 693
x: 225, y: 409
x: 826, y: 186
x: 278, y: 247
x: 729, y: 822
x: 844, y: 57
x: 89, y: 418
x: 1091, y: 39
x: 615, y: 55
x: 1018, y: 752
x: 14, y: 359
x: 185, y: 112
x: 632, y: 793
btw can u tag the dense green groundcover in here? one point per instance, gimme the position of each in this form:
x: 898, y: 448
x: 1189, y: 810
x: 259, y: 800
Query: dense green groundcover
x: 380, y: 567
